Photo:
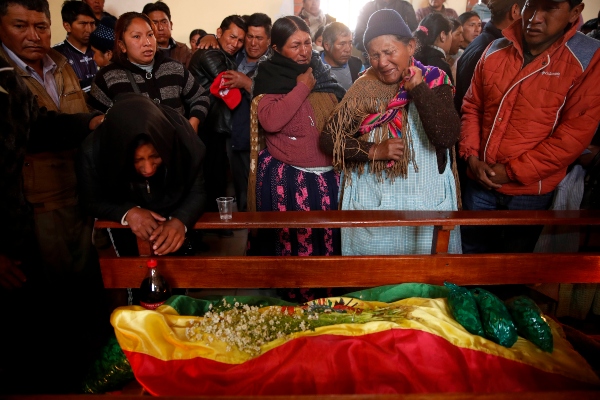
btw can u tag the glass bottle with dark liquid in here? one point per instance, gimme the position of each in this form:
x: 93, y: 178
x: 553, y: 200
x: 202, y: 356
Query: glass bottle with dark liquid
x: 154, y: 290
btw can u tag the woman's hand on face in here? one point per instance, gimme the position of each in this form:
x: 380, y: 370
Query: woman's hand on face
x: 391, y: 149
x: 168, y: 237
x: 307, y: 78
x: 143, y: 222
x: 412, y: 77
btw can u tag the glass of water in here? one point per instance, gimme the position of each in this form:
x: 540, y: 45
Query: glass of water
x: 225, y: 207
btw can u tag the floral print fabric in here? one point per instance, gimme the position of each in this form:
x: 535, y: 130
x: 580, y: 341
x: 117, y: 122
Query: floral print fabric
x: 281, y: 187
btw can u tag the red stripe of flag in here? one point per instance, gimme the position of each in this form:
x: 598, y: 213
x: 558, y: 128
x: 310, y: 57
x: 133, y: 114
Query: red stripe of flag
x: 393, y: 361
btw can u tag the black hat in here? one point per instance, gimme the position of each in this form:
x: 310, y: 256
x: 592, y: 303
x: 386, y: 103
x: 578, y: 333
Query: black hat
x: 385, y: 22
x: 103, y: 38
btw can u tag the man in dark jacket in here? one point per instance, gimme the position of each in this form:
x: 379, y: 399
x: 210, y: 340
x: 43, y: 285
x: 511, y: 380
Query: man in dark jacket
x: 25, y: 127
x: 404, y: 8
x: 49, y: 180
x: 504, y: 13
x: 23, y: 285
x: 206, y: 65
x: 337, y: 44
x: 256, y: 48
x: 160, y: 14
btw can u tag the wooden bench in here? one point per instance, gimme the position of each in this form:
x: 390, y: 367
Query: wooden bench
x: 349, y: 271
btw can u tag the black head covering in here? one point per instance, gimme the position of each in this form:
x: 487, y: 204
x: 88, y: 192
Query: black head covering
x: 277, y: 75
x: 171, y: 135
x: 103, y: 37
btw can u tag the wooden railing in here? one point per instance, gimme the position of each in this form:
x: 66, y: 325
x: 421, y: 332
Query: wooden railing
x: 351, y: 271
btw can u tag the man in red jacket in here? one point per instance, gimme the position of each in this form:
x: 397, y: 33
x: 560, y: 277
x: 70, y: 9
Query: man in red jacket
x: 532, y: 108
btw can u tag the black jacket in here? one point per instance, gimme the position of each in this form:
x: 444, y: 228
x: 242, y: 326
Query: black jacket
x: 434, y: 57
x: 355, y: 65
x: 109, y: 185
x: 240, y: 116
x: 404, y: 8
x: 465, y: 67
x: 205, y: 65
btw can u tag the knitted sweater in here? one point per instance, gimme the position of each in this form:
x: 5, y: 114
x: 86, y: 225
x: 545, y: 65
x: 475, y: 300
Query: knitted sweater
x: 170, y: 83
x: 291, y: 126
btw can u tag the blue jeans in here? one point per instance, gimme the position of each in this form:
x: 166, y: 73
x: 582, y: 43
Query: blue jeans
x: 503, y: 238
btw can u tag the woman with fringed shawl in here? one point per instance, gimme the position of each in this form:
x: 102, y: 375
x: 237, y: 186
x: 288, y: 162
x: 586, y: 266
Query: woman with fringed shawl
x: 390, y: 137
x: 297, y: 96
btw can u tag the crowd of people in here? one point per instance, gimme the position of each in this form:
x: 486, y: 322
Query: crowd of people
x: 485, y: 110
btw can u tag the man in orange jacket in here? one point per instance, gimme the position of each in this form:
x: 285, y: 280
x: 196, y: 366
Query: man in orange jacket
x: 532, y: 108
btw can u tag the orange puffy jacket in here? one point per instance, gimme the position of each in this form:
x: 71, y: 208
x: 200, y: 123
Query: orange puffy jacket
x: 535, y: 120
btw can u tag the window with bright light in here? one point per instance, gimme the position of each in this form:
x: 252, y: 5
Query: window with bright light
x: 344, y: 11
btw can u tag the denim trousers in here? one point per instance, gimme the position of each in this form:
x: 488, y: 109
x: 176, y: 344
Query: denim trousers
x: 503, y: 238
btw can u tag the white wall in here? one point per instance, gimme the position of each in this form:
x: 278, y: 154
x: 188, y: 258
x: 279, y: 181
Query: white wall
x: 188, y: 15
x: 458, y: 5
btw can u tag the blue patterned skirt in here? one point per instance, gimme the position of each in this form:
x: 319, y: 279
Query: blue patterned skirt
x: 281, y: 187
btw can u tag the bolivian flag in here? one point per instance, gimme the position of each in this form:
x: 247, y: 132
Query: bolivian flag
x: 345, y: 345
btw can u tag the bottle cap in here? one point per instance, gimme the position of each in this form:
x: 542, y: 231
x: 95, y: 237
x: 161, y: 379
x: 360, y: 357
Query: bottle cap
x: 151, y: 263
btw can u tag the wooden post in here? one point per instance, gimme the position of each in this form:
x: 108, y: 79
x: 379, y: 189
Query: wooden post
x: 144, y: 247
x: 441, y: 239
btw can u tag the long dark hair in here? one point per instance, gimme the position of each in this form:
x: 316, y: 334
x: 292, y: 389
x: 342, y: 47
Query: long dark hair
x: 122, y: 24
x: 285, y: 27
x: 434, y: 24
x: 195, y: 32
